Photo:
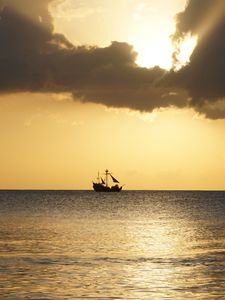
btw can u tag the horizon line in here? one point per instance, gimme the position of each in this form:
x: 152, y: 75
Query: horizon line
x: 127, y: 190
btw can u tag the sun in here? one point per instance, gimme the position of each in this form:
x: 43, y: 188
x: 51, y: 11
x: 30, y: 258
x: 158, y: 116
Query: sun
x: 154, y: 54
x: 159, y: 53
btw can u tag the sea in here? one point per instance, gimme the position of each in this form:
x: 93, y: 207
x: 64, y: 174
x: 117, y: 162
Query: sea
x: 128, y: 245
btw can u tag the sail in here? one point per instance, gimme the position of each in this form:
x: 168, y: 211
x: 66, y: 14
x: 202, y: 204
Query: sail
x: 103, y: 182
x: 114, y: 179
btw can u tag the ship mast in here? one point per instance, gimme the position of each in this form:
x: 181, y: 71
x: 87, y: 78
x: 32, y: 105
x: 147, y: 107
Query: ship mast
x: 98, y: 177
x: 106, y: 177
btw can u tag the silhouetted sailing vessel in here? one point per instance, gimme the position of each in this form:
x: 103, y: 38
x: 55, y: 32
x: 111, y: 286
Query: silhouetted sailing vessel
x: 102, y: 185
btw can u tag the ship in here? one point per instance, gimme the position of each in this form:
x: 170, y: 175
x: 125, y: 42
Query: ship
x: 102, y: 185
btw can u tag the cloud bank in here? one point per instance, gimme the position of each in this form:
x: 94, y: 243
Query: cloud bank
x: 204, y: 76
x: 34, y: 58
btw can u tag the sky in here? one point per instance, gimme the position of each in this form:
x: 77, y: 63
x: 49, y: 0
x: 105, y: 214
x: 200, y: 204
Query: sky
x: 136, y: 87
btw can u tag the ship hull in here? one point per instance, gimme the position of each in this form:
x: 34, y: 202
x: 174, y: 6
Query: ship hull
x: 106, y: 189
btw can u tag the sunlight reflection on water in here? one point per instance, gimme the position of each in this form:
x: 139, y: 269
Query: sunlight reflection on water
x: 132, y: 245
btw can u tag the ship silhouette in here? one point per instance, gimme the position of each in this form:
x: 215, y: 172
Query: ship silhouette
x: 102, y: 185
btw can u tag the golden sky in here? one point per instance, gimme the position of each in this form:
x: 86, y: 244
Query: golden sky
x: 51, y: 141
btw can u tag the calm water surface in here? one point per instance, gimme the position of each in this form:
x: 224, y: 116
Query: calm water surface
x: 131, y: 245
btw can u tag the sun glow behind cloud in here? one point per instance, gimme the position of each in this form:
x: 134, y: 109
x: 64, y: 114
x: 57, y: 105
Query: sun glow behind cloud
x: 185, y: 50
x: 147, y: 25
x: 158, y: 50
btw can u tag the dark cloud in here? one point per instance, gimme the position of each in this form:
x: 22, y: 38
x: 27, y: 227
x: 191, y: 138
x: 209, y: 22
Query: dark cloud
x: 204, y: 77
x: 33, y: 58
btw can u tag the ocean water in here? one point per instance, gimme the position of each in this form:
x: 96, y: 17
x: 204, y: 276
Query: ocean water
x: 130, y: 245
